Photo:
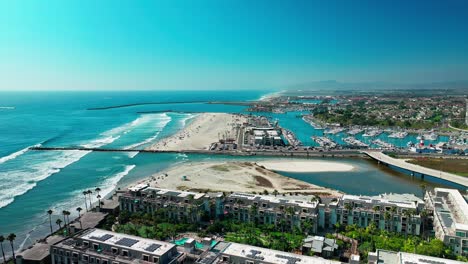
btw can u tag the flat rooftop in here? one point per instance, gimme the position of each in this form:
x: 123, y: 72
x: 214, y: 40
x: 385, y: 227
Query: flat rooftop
x: 127, y: 241
x: 406, y: 200
x: 272, y: 256
x: 302, y: 202
x: 174, y: 193
x: 391, y: 257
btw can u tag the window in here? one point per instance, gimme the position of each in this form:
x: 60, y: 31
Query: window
x: 115, y: 250
x: 145, y: 257
x: 249, y: 262
x: 85, y: 258
x: 85, y: 243
x: 125, y: 253
x: 155, y: 259
x: 104, y: 261
x: 54, y: 250
x: 91, y: 259
x: 98, y: 261
x: 225, y: 258
x: 74, y: 254
x: 95, y: 246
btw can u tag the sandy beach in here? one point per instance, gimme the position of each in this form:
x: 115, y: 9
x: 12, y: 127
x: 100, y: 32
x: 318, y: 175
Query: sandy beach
x: 205, y: 129
x: 231, y: 176
x: 305, y: 166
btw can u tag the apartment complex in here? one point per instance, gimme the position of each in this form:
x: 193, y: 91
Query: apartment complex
x: 176, y: 205
x: 280, y: 210
x: 244, y: 254
x: 96, y: 246
x: 391, y: 257
x: 393, y: 212
x: 450, y: 212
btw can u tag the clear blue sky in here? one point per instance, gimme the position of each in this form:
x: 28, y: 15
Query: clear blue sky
x: 228, y: 44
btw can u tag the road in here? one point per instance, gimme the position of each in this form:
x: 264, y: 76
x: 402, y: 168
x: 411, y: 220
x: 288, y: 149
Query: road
x: 377, y: 155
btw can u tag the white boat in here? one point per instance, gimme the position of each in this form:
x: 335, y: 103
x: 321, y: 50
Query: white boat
x: 402, y: 134
x: 372, y: 133
x: 431, y: 136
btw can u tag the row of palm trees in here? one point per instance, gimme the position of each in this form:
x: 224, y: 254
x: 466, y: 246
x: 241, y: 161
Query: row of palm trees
x: 87, y: 196
x: 66, y: 221
x: 11, y: 237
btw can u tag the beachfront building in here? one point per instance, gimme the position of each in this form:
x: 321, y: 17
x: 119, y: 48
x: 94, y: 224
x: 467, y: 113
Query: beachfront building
x: 392, y: 212
x: 236, y: 253
x: 176, y: 205
x: 391, y: 257
x: 281, y: 211
x: 97, y: 246
x: 450, y: 212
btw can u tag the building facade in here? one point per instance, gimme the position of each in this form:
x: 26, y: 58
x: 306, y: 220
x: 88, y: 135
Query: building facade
x: 450, y: 213
x: 399, y: 213
x: 176, y: 205
x: 280, y: 211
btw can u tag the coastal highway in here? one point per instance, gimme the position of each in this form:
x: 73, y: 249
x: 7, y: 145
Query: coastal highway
x: 413, y: 168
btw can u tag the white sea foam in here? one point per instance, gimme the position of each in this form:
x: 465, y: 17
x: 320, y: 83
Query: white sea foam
x: 110, y: 184
x: 14, y: 183
x: 16, y: 154
x: 100, y: 142
x: 7, y: 107
x: 161, y: 122
x: 131, y: 154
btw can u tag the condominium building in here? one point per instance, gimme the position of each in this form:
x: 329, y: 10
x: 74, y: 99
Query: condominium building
x: 176, y: 205
x: 286, y: 211
x: 391, y: 257
x: 245, y: 254
x: 393, y: 212
x: 97, y: 246
x: 450, y: 212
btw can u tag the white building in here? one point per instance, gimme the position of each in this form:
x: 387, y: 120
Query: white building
x: 450, y: 212
x: 391, y: 257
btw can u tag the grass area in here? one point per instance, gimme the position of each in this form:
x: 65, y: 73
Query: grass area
x: 455, y: 166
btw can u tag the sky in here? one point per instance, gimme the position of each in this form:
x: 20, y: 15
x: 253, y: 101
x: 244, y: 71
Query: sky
x: 228, y: 44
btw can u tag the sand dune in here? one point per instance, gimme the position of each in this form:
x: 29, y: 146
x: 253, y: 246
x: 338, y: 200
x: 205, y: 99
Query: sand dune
x: 305, y: 166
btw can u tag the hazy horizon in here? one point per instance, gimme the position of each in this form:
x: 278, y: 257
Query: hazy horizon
x: 229, y: 45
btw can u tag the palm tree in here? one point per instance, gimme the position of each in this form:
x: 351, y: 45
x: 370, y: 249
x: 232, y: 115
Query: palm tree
x: 50, y: 220
x: 423, y: 188
x: 275, y: 192
x: 67, y: 213
x: 11, y: 237
x: 98, y: 190
x: 2, y: 238
x: 86, y: 204
x: 79, y: 209
x: 59, y: 223
x: 90, y: 201
x: 99, y: 201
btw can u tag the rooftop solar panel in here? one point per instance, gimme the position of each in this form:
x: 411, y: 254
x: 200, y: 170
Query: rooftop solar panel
x: 152, y: 247
x: 102, y: 238
x: 127, y: 242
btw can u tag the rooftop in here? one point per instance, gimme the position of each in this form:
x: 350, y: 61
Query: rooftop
x: 127, y: 241
x: 302, y: 202
x: 271, y: 256
x: 409, y: 201
x: 173, y: 193
x: 391, y: 257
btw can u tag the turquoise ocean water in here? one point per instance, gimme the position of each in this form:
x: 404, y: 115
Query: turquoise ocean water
x: 31, y: 182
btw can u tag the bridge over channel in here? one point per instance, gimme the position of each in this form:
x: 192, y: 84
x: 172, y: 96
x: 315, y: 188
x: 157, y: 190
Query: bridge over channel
x: 416, y: 169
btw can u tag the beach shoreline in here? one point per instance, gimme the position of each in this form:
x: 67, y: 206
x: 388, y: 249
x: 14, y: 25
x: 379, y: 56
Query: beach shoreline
x: 201, y: 132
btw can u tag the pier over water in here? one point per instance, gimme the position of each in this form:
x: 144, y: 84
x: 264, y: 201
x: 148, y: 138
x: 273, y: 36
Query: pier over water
x: 416, y: 169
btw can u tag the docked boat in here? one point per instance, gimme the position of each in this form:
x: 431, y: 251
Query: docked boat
x: 431, y: 136
x: 354, y: 131
x: 372, y: 133
x: 401, y: 134
x: 325, y: 142
x: 354, y: 142
x: 383, y: 144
